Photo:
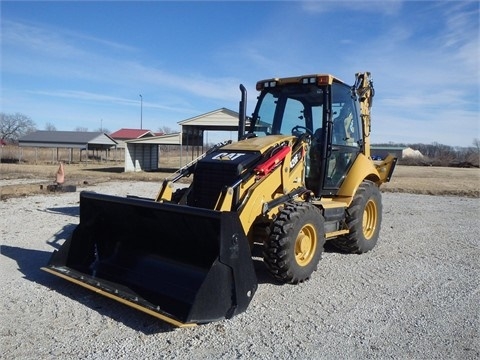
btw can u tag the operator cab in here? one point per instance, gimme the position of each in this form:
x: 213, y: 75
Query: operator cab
x: 321, y: 108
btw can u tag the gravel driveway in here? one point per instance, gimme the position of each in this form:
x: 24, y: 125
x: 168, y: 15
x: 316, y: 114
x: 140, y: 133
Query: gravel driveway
x: 415, y: 296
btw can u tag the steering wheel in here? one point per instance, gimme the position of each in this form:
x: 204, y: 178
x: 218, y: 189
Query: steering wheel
x: 297, y: 130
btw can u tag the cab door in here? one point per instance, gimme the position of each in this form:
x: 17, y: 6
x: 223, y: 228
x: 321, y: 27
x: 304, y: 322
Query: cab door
x: 345, y: 138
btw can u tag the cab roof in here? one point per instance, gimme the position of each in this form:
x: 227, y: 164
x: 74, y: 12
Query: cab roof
x: 319, y: 79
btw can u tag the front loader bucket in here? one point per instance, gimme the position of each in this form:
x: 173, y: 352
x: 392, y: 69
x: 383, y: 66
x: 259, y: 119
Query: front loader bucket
x: 181, y: 264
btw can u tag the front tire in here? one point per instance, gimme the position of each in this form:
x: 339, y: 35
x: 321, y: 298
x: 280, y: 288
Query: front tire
x: 363, y: 220
x: 295, y: 245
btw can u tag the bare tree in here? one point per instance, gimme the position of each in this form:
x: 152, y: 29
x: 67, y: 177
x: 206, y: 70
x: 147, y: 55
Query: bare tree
x: 50, y: 127
x: 14, y: 126
x: 476, y: 145
x: 474, y: 157
x: 165, y: 130
x: 104, y: 130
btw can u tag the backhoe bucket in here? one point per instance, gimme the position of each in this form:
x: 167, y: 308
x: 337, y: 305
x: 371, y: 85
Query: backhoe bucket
x: 181, y: 264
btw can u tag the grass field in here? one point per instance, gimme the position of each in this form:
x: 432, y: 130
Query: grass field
x: 21, y: 179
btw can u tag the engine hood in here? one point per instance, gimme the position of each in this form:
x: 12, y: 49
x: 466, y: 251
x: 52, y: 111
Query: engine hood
x: 260, y: 144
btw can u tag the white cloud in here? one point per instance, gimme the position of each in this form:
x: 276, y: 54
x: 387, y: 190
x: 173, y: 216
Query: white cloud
x: 53, y: 40
x: 61, y: 56
x: 387, y: 7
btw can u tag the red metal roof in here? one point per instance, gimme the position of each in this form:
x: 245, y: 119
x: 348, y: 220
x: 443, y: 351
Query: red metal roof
x: 127, y: 134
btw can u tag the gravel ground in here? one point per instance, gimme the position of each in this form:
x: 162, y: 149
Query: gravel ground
x: 415, y: 296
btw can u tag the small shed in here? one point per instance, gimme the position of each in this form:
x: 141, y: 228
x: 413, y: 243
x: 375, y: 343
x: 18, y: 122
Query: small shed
x: 143, y: 154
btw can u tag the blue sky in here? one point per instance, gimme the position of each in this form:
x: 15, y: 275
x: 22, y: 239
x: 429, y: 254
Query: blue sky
x: 85, y: 64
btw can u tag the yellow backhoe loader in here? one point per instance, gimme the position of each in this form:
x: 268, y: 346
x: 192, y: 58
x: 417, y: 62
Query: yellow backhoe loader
x: 301, y: 175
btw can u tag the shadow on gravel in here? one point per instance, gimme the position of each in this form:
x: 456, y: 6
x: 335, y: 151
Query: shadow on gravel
x: 115, y: 170
x: 165, y: 170
x: 66, y: 210
x: 263, y: 275
x: 29, y: 263
x: 329, y: 248
x: 58, y: 238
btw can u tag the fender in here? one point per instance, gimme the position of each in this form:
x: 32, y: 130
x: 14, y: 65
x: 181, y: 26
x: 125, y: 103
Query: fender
x: 363, y: 168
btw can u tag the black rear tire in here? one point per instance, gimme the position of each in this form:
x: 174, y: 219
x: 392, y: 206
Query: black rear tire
x: 295, y: 245
x: 363, y: 220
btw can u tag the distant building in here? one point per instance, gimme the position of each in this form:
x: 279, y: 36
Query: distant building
x: 68, y: 139
x: 144, y: 154
x: 122, y: 135
x: 81, y: 140
x: 381, y: 152
x: 400, y: 152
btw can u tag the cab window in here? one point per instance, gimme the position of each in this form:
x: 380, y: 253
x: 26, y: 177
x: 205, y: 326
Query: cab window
x: 346, y: 129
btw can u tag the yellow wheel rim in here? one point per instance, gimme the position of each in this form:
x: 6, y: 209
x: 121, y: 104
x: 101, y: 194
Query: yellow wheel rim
x: 370, y: 218
x: 305, y: 245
